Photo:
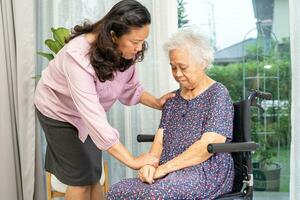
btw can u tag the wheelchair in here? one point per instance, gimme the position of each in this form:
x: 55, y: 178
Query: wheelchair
x: 240, y: 148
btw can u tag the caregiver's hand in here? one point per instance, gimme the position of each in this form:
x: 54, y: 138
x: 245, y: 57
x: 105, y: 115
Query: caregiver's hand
x: 144, y: 159
x: 162, y: 100
x: 153, y: 102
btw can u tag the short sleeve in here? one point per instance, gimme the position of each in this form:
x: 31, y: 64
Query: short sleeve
x: 82, y: 88
x: 132, y: 90
x: 165, y: 115
x: 220, y: 115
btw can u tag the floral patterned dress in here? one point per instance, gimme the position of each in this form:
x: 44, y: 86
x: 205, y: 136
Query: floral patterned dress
x: 184, y: 122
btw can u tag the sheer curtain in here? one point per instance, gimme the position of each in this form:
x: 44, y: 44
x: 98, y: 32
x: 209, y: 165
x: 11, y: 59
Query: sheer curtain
x: 154, y: 71
x: 155, y: 74
x: 295, y: 107
x: 17, y: 117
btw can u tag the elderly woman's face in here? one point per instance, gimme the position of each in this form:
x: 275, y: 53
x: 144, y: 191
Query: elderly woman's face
x: 186, y: 71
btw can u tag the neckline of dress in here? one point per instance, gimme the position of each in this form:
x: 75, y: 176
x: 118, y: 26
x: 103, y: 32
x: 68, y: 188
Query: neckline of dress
x: 199, y: 95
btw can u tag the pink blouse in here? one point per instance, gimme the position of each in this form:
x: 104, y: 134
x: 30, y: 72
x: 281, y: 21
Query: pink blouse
x: 70, y: 91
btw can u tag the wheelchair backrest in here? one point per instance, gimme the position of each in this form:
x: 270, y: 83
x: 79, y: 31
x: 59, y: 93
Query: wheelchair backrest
x: 241, y: 133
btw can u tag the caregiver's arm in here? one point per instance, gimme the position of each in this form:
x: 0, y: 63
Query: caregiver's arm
x: 148, y: 100
x: 122, y: 154
x: 195, y: 154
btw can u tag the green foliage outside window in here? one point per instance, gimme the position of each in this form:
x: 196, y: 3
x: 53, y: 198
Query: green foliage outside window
x: 182, y: 16
x: 231, y: 76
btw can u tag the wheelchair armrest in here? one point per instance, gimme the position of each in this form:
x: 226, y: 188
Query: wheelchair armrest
x: 232, y: 147
x: 145, y: 138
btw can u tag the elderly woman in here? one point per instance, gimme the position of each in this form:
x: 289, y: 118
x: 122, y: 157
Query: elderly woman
x: 201, y: 113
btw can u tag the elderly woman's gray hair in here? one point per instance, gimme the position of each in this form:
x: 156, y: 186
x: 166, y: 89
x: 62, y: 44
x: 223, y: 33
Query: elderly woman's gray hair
x: 196, y: 43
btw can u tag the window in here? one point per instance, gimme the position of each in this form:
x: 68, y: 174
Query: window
x: 251, y: 42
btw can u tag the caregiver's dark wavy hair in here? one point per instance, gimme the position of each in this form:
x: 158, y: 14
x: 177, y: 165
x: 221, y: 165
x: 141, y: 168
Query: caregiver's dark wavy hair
x: 105, y: 58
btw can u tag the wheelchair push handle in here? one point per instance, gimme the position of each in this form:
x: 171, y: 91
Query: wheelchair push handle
x: 145, y: 138
x: 263, y: 95
x: 232, y: 147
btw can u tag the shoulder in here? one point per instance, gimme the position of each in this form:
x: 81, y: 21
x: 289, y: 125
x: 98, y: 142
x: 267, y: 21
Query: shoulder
x: 219, y: 87
x: 78, y: 43
x: 217, y: 94
x: 219, y: 90
x: 78, y: 49
x: 173, y: 101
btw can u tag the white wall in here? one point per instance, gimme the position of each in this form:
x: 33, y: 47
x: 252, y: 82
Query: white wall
x: 295, y: 105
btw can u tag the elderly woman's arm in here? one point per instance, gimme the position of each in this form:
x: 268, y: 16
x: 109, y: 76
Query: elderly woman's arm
x: 146, y: 173
x: 195, y: 154
x: 156, y: 147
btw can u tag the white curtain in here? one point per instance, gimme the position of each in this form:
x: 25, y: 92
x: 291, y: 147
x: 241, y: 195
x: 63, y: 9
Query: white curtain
x: 155, y: 74
x: 19, y: 165
x: 154, y: 71
x: 294, y: 6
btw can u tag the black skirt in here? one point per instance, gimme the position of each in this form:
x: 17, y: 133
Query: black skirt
x: 74, y: 163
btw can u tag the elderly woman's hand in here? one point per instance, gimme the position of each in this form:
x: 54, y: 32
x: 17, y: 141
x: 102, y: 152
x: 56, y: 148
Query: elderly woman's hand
x: 146, y: 174
x: 160, y: 172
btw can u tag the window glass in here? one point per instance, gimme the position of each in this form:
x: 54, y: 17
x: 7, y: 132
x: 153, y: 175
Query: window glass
x: 251, y: 42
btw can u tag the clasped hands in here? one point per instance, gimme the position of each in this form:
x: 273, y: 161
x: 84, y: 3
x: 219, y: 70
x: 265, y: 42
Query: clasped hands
x: 148, y: 168
x: 149, y: 173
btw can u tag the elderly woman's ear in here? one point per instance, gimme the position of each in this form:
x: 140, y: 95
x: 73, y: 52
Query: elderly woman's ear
x: 204, y: 64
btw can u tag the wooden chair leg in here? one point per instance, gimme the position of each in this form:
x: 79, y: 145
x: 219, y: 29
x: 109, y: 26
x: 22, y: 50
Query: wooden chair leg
x: 106, y: 182
x: 52, y: 194
x: 48, y: 186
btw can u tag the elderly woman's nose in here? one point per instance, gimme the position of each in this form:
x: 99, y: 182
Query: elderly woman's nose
x: 178, y: 73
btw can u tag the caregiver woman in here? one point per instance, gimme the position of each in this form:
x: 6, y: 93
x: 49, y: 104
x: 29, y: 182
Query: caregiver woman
x: 91, y: 72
